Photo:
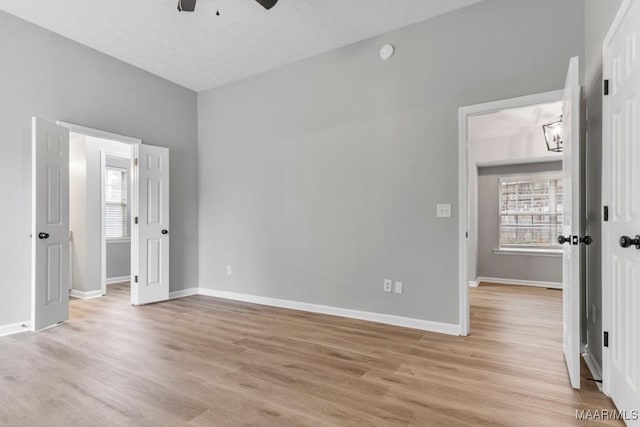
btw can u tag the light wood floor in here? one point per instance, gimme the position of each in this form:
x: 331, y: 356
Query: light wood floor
x: 200, y: 361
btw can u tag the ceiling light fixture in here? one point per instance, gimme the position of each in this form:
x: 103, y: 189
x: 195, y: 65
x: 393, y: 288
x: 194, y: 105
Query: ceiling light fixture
x: 553, y: 135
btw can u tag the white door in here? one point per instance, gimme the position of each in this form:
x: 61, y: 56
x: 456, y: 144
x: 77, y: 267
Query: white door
x: 571, y: 223
x: 151, y: 232
x: 621, y: 190
x: 50, y: 224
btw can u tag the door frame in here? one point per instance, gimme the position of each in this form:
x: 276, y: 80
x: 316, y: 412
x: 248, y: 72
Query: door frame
x: 607, y: 297
x: 134, y: 142
x: 132, y: 198
x: 463, y: 184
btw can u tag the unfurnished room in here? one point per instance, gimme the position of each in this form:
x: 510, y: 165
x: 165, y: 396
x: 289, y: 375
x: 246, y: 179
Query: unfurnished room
x: 320, y: 213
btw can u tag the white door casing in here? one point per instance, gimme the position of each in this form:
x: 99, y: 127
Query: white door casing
x: 621, y: 194
x: 50, y: 224
x: 151, y: 233
x: 571, y: 223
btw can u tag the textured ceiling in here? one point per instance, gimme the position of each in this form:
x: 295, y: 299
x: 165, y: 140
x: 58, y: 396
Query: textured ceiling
x: 513, y: 122
x: 201, y: 50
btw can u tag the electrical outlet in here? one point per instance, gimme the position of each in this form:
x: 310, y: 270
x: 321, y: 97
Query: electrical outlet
x: 228, y: 270
x: 387, y: 285
x: 398, y: 287
x: 443, y: 211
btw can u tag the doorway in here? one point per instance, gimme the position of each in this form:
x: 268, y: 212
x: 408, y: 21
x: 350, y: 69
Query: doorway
x: 567, y: 138
x: 146, y: 203
x: 100, y: 173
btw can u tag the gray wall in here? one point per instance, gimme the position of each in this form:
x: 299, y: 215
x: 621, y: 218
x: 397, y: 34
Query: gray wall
x: 320, y: 179
x: 118, y: 256
x: 598, y: 17
x: 45, y: 75
x: 501, y: 266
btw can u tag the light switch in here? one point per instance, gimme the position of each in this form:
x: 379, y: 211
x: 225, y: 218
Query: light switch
x: 444, y: 211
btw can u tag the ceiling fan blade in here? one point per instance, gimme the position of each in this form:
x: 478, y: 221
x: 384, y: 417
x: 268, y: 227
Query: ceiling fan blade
x: 267, y: 4
x: 186, y: 5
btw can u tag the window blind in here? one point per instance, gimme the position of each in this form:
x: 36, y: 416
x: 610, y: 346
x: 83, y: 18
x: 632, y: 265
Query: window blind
x: 115, y: 209
x: 530, y: 212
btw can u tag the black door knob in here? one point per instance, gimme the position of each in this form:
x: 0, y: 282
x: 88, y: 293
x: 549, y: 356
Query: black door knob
x: 626, y: 242
x: 43, y: 236
x: 587, y: 240
x: 165, y: 231
x: 562, y: 240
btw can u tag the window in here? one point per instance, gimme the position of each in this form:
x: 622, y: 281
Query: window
x: 530, y: 212
x: 116, y: 203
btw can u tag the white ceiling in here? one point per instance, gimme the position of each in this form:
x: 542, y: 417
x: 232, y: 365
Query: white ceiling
x: 200, y: 50
x: 513, y: 122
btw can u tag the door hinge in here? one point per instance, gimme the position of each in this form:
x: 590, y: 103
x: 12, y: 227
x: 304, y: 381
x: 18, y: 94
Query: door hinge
x: 135, y: 162
x: 606, y: 87
x: 606, y: 339
x: 605, y: 214
x: 135, y: 220
x: 135, y: 279
x: 466, y: 234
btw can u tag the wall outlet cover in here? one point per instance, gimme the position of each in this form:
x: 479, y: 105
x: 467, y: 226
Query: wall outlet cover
x: 387, y: 285
x: 443, y: 210
x: 398, y: 287
x: 228, y: 270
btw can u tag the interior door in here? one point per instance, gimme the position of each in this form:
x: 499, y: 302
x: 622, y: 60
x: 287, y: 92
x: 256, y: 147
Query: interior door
x: 151, y: 227
x: 621, y: 185
x: 50, y: 224
x: 571, y: 223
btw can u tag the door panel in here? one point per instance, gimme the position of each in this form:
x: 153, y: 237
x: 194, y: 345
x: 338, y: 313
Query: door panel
x: 50, y: 224
x: 622, y: 194
x: 572, y: 226
x: 151, y: 234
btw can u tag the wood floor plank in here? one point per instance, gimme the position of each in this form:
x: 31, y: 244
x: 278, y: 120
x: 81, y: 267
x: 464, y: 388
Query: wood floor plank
x: 201, y: 361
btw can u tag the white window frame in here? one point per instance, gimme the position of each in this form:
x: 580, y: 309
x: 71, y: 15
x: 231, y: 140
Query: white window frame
x: 554, y: 248
x: 124, y: 204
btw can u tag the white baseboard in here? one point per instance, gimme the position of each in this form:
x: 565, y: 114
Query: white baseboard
x: 593, y: 366
x: 15, y: 328
x: 183, y: 293
x: 85, y: 294
x: 407, y: 322
x: 114, y: 280
x: 554, y: 285
x: 473, y: 284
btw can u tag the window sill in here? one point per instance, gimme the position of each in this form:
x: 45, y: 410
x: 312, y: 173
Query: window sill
x: 123, y: 240
x: 554, y: 253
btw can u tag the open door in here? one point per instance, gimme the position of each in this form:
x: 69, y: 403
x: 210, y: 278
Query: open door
x: 50, y: 224
x: 571, y: 225
x: 621, y: 195
x: 150, y: 244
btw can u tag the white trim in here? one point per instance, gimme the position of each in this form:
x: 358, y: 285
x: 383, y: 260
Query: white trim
x: 183, y: 293
x: 86, y: 294
x: 554, y: 253
x: 96, y: 133
x: 463, y: 184
x: 407, y: 322
x: 518, y: 282
x: 119, y: 240
x: 114, y: 280
x: 518, y: 162
x: 607, y: 298
x: 15, y: 328
x: 473, y: 284
x: 595, y: 370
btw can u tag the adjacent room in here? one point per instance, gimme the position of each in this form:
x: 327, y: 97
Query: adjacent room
x: 274, y: 213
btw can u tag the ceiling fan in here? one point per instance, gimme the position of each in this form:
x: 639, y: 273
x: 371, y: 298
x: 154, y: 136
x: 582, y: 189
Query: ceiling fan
x: 190, y: 5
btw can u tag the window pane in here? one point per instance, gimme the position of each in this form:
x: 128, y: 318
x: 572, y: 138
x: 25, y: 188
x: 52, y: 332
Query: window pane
x: 530, y: 212
x: 115, y: 203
